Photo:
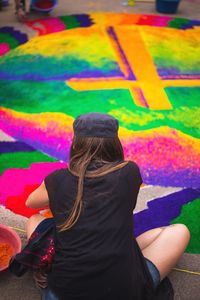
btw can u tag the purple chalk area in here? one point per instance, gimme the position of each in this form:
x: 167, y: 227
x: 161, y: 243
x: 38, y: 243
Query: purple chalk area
x: 162, y: 211
x: 7, y: 147
x: 186, y: 178
x: 113, y: 35
x: 98, y: 73
x: 190, y: 24
x: 60, y: 77
x: 84, y: 20
x: 175, y: 73
x: 20, y: 37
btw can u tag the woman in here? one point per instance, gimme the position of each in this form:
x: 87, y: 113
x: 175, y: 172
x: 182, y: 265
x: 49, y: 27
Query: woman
x: 40, y: 5
x: 20, y: 10
x: 96, y: 256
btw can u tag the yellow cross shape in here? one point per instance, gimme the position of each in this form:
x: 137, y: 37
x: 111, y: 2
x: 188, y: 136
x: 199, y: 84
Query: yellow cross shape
x: 140, y: 62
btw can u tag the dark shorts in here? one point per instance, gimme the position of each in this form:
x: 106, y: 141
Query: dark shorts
x: 48, y: 295
x: 155, y: 274
x: 44, y: 225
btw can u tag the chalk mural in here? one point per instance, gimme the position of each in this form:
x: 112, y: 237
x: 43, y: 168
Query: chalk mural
x: 143, y: 70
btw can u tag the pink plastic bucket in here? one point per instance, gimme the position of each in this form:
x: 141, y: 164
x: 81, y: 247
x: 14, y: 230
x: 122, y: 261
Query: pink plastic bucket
x: 43, y: 5
x: 11, y: 238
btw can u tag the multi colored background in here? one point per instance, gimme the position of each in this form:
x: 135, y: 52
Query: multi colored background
x: 144, y: 70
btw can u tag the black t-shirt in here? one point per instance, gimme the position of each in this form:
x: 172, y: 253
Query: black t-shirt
x: 98, y: 258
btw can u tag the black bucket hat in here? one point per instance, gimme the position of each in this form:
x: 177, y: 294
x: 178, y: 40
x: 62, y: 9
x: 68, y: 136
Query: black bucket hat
x: 95, y: 125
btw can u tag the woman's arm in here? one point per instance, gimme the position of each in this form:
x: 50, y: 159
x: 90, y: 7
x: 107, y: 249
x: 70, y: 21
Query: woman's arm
x: 38, y: 198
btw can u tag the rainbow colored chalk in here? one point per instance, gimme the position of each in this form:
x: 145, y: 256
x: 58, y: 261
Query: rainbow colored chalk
x: 142, y: 69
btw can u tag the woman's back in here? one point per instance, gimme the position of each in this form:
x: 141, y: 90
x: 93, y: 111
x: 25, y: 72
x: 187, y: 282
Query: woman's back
x: 98, y: 257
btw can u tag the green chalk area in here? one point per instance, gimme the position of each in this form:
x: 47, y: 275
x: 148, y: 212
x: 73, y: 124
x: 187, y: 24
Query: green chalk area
x: 22, y: 159
x: 55, y: 96
x: 69, y: 21
x: 183, y: 96
x: 190, y: 216
x: 178, y: 23
x: 8, y: 39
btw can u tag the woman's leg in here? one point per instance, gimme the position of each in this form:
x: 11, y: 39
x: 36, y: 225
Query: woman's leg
x: 166, y: 248
x: 32, y: 223
x: 146, y: 238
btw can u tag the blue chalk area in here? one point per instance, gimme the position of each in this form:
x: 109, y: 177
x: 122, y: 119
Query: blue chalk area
x: 162, y: 211
x: 9, y: 147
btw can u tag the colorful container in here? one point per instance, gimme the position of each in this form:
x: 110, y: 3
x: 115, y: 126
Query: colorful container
x: 43, y: 5
x: 10, y: 244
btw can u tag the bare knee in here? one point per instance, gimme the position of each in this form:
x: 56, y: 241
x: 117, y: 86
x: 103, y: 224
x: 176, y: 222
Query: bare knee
x: 167, y: 249
x: 179, y: 236
x: 34, y: 219
x: 32, y: 223
x: 182, y: 231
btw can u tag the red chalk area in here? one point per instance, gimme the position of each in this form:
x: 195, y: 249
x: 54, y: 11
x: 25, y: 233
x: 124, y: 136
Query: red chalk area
x: 17, y: 203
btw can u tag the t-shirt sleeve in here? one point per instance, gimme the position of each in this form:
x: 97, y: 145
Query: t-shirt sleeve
x: 51, y: 183
x: 134, y: 181
x: 134, y: 172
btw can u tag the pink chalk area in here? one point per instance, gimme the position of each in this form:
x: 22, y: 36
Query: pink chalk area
x: 14, y: 181
x: 45, y: 26
x: 4, y: 48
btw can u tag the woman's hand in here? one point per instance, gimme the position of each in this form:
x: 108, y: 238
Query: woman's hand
x: 21, y: 14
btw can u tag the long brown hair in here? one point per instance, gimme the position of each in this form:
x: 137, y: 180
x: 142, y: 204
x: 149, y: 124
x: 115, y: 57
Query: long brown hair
x: 107, y: 152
